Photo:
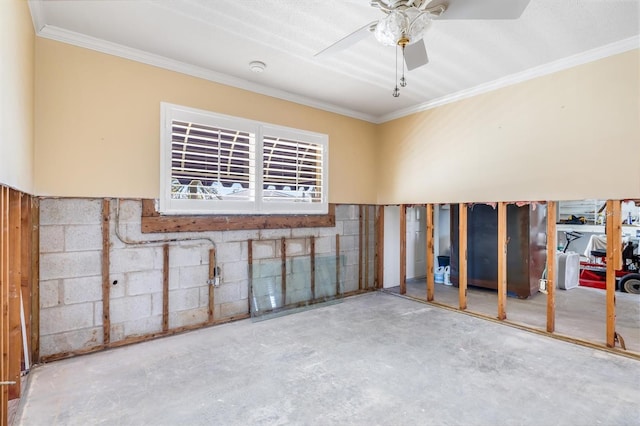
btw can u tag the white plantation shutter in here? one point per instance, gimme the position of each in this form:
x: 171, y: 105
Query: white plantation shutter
x: 211, y: 163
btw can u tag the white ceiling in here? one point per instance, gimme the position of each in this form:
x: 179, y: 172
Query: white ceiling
x: 217, y: 40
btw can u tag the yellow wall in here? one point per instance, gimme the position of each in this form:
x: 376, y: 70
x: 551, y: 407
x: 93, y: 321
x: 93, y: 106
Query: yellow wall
x: 570, y: 135
x: 98, y: 125
x: 16, y: 95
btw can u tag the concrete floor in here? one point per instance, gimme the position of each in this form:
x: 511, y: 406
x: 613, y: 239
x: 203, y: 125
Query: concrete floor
x: 373, y: 359
x: 580, y: 311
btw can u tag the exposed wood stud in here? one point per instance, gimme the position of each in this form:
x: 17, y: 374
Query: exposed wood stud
x: 25, y: 264
x: 212, y: 276
x: 35, y: 280
x: 360, y: 253
x: 502, y: 260
x: 250, y: 273
x: 283, y: 254
x: 403, y: 249
x: 380, y: 249
x: 15, y: 281
x: 462, y: 256
x: 106, y: 284
x: 552, y: 243
x: 312, y: 259
x: 430, y: 254
x: 165, y: 287
x: 4, y: 303
x: 614, y: 261
x: 366, y: 247
x: 337, y: 265
x: 152, y: 221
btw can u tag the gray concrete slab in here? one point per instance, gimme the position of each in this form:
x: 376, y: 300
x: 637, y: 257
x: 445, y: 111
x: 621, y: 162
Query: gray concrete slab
x: 373, y: 359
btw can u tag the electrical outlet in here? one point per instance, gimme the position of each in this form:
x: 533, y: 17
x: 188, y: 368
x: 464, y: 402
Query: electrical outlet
x: 542, y: 286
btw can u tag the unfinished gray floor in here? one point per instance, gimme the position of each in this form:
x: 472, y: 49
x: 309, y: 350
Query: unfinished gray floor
x: 373, y: 359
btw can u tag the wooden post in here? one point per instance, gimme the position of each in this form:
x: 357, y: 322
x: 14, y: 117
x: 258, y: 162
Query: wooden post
x: 25, y: 264
x: 380, y: 249
x: 15, y: 280
x: 552, y: 243
x: 283, y: 270
x: 430, y: 255
x: 502, y: 260
x: 250, y: 272
x: 312, y: 260
x: 106, y: 284
x: 338, y: 292
x: 403, y: 249
x: 614, y: 261
x: 366, y: 247
x: 35, y: 280
x: 212, y: 277
x: 4, y: 304
x: 360, y: 247
x: 165, y: 287
x: 462, y: 256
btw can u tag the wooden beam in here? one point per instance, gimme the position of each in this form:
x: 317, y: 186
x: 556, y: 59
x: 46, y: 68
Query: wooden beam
x: 283, y: 270
x: 431, y: 288
x: 380, y: 248
x: 4, y: 304
x: 25, y: 264
x: 502, y: 260
x: 462, y: 256
x: 338, y: 292
x: 360, y: 254
x: 312, y: 260
x: 35, y: 280
x: 366, y: 247
x: 212, y: 277
x: 552, y: 244
x: 15, y: 281
x: 614, y: 252
x: 152, y: 221
x: 403, y: 249
x: 165, y: 287
x: 106, y: 282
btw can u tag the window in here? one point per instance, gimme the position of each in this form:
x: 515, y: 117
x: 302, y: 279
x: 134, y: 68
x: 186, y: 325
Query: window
x: 212, y: 163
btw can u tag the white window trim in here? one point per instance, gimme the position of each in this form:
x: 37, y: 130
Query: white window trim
x: 167, y: 205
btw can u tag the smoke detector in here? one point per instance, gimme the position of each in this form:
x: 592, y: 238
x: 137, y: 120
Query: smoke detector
x: 257, y: 66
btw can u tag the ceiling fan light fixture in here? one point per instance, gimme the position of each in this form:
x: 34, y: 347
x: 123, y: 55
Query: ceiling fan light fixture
x: 391, y: 28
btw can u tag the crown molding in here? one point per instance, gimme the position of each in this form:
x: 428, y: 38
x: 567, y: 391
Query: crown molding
x: 539, y: 71
x: 70, y: 37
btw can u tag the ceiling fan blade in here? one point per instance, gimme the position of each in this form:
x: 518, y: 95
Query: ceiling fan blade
x: 415, y: 55
x: 485, y: 9
x: 348, y: 41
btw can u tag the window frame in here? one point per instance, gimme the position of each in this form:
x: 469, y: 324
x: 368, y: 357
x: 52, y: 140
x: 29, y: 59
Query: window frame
x: 171, y: 206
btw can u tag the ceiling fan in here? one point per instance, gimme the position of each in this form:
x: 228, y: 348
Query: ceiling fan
x: 406, y: 22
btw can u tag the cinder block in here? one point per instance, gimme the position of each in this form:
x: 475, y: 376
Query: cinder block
x: 233, y: 308
x: 351, y: 227
x: 117, y: 332
x: 82, y: 237
x: 297, y: 246
x: 130, y: 211
x: 66, y: 318
x: 227, y: 292
x: 193, y: 276
x: 204, y: 296
x: 51, y: 239
x: 331, y: 230
x: 348, y: 243
x: 190, y: 317
x: 97, y: 313
x: 346, y: 212
x: 156, y: 304
x: 270, y: 234
x: 70, y: 211
x: 264, y: 249
x: 71, y: 341
x: 235, y: 271
x: 143, y: 326
x: 132, y: 259
x: 299, y: 265
x: 323, y: 245
x: 130, y: 308
x: 244, y: 289
x: 240, y: 235
x: 228, y: 252
x: 304, y: 232
x: 85, y: 289
x: 144, y: 282
x: 174, y: 278
x: 50, y: 293
x: 188, y: 254
x: 184, y: 299
x: 117, y: 286
x: 267, y: 268
x: 70, y: 265
x: 351, y: 258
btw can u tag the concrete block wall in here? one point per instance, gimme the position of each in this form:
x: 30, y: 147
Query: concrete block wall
x: 71, y: 280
